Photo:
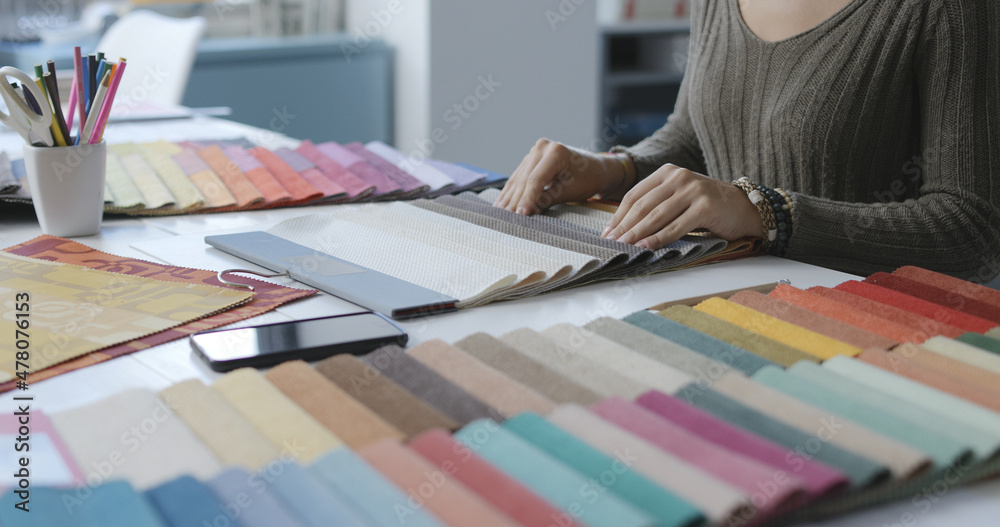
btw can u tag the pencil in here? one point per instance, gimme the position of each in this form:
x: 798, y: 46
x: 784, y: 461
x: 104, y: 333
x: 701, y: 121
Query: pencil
x: 85, y: 69
x: 57, y: 135
x: 80, y: 94
x: 53, y: 86
x: 109, y: 99
x: 72, y: 103
x: 88, y: 130
x: 94, y: 79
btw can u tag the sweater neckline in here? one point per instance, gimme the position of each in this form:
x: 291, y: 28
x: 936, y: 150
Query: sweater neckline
x: 834, y: 19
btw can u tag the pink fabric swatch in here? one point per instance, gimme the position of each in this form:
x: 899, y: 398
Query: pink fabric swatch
x: 345, y: 158
x: 356, y: 187
x: 331, y: 189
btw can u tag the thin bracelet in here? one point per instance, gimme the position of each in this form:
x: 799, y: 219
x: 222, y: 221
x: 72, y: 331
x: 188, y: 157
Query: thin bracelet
x: 624, y: 159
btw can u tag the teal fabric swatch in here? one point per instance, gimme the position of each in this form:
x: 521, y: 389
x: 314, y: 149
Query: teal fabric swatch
x: 313, y: 504
x: 860, y: 471
x: 667, y: 508
x: 185, y: 502
x: 349, y: 475
x: 708, y: 346
x: 550, y: 479
x: 113, y: 504
x: 981, y: 341
x: 836, y: 393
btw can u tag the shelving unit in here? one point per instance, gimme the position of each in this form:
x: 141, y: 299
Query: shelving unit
x: 642, y: 66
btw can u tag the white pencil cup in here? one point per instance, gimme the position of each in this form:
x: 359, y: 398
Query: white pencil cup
x: 67, y: 187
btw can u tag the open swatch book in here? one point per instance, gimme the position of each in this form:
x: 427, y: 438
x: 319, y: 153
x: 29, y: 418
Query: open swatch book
x: 460, y: 251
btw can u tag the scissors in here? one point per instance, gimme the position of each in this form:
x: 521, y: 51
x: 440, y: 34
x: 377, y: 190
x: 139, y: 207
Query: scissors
x: 21, y: 117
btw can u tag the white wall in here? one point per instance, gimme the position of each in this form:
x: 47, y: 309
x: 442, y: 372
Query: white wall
x: 517, y: 69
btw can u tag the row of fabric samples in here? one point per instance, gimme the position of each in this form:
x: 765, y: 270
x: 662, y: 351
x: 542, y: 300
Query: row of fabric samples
x: 465, y: 248
x: 742, y: 411
x: 164, y: 178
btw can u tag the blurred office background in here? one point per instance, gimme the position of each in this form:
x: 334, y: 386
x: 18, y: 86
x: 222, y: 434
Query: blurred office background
x: 476, y: 81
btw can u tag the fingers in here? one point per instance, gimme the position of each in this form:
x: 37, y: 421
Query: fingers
x: 543, y: 173
x: 642, y: 201
x: 688, y: 221
x: 516, y: 180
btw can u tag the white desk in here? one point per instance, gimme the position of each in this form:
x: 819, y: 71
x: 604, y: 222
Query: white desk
x: 178, y: 240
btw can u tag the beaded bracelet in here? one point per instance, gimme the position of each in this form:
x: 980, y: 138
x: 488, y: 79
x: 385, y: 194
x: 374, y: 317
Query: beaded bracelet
x: 776, y: 208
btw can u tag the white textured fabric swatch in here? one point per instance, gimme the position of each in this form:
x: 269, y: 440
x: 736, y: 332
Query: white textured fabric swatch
x: 154, y: 193
x: 467, y: 280
x: 133, y: 436
x: 963, y: 352
x: 122, y: 191
x: 645, y: 371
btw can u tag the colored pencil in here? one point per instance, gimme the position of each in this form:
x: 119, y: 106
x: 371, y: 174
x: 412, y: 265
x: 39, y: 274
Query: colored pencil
x: 85, y: 69
x: 80, y: 94
x: 99, y: 97
x: 72, y: 103
x: 57, y: 136
x: 109, y: 99
x: 94, y: 79
x: 53, y: 86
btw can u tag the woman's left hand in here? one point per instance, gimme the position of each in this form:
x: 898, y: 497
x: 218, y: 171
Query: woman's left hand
x: 674, y: 201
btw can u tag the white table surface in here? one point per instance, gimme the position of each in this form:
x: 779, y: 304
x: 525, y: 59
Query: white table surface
x: 178, y: 240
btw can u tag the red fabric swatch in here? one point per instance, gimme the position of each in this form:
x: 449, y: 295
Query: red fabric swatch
x: 926, y: 327
x: 950, y: 283
x: 918, y: 306
x: 942, y: 297
x: 490, y: 483
x: 900, y: 365
x: 849, y: 314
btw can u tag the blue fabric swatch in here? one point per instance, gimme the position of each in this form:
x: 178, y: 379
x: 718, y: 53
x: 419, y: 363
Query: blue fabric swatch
x: 113, y: 504
x: 252, y: 505
x: 187, y: 502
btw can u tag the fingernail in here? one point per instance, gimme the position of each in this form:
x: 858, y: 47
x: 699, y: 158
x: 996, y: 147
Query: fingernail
x: 606, y: 231
x: 522, y: 210
x: 643, y: 244
x: 627, y: 237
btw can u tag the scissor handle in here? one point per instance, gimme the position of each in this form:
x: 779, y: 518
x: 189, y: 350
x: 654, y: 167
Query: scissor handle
x: 16, y: 104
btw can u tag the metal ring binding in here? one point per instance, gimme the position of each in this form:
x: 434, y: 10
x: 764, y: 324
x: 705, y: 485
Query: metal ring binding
x: 221, y: 277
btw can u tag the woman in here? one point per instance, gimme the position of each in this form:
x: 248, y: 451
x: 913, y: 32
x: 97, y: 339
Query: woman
x: 879, y: 119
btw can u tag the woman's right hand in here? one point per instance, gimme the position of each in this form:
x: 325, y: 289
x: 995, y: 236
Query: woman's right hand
x: 554, y: 173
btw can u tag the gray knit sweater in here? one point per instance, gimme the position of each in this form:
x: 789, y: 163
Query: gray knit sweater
x: 883, y: 122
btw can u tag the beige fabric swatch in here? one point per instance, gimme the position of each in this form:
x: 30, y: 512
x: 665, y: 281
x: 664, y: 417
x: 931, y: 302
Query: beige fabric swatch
x: 154, y: 193
x: 718, y: 500
x: 187, y: 196
x: 645, y: 371
x: 134, y: 436
x: 963, y: 352
x: 492, y: 387
x: 122, y: 190
x: 219, y: 425
x: 591, y: 373
x: 467, y: 280
x: 276, y: 416
x: 341, y: 414
x: 902, y: 460
x: 994, y: 333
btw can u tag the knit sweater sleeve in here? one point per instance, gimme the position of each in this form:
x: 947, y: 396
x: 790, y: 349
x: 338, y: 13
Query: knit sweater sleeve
x: 954, y: 225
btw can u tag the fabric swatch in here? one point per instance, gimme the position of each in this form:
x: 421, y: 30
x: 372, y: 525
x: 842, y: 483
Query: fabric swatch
x: 332, y: 407
x: 355, y: 187
x: 590, y: 373
x: 112, y: 504
x: 428, y: 384
x: 298, y: 188
x: 719, y: 501
x: 218, y: 425
x: 276, y: 416
x: 250, y: 505
x: 696, y: 365
x: 154, y: 193
x: 943, y: 297
x: 384, y: 187
x: 933, y: 400
x: 217, y: 195
x: 713, y: 348
x: 133, y: 306
x: 932, y: 378
x: 994, y: 333
x: 389, y: 400
x: 119, y: 188
x: 235, y: 180
x: 860, y: 471
x: 506, y: 395
x: 991, y: 344
x: 847, y: 314
x: 952, y: 367
x: 368, y: 490
x: 332, y: 191
x: 312, y: 502
x: 818, y: 478
x: 427, y: 174
x: 185, y: 501
x: 462, y: 176
x: 448, y: 499
x: 830, y: 391
x: 490, y: 483
x: 546, y: 381
x: 903, y: 460
x: 629, y: 485
x: 134, y: 436
x: 8, y: 184
x: 258, y: 174
x: 923, y: 326
x: 550, y: 479
x: 963, y: 352
x: 267, y: 296
x: 812, y: 321
x: 918, y: 306
x: 409, y: 185
x: 764, y: 347
x: 808, y: 341
x: 739, y: 471
x: 185, y: 193
x: 52, y: 464
x: 949, y: 283
x: 648, y: 372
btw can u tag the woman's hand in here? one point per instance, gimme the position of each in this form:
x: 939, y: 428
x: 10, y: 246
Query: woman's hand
x: 555, y: 173
x: 674, y: 201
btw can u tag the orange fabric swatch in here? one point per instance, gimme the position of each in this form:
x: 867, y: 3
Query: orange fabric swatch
x: 236, y: 181
x: 429, y: 485
x: 926, y: 327
x: 900, y: 365
x: 937, y: 295
x: 259, y: 175
x: 847, y: 314
x: 950, y: 283
x: 918, y: 306
x: 299, y: 188
x: 949, y: 366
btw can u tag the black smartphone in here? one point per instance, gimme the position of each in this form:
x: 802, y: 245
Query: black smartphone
x: 312, y: 339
